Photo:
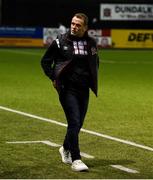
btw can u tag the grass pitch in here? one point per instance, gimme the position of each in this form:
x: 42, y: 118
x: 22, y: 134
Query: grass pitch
x: 123, y: 109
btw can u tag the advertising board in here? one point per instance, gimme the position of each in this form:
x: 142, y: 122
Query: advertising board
x: 132, y: 38
x: 133, y: 12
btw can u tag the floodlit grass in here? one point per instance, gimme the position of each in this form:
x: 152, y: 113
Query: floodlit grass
x: 123, y: 109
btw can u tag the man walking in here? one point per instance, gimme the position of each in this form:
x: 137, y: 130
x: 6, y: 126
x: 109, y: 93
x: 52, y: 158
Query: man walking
x: 71, y: 62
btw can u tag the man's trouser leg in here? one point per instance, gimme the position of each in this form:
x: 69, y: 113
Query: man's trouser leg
x: 74, y: 103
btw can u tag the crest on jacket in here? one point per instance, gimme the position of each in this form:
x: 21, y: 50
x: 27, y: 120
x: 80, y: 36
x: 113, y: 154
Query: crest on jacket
x: 80, y: 47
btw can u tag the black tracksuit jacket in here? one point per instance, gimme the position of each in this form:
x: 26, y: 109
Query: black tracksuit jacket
x: 58, y: 58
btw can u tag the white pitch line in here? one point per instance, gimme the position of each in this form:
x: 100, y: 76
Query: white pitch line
x: 86, y: 155
x: 125, y: 62
x: 102, y: 61
x: 33, y: 116
x: 21, y: 52
x: 49, y: 143
x: 35, y: 142
x: 122, y: 168
x: 83, y: 130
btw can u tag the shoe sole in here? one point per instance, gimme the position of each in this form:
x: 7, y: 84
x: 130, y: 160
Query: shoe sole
x: 80, y: 170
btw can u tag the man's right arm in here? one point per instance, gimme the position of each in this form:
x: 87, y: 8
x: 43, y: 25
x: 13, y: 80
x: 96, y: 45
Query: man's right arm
x: 48, y: 60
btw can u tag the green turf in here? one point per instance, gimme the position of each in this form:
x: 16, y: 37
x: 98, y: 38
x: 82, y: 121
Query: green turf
x: 123, y: 109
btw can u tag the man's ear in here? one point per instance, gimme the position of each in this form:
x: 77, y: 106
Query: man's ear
x: 86, y: 28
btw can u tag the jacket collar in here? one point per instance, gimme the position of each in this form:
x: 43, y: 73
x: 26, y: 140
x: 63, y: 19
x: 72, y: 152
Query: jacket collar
x: 75, y: 38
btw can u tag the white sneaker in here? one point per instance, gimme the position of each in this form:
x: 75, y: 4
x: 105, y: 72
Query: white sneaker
x: 78, y: 165
x: 66, y: 156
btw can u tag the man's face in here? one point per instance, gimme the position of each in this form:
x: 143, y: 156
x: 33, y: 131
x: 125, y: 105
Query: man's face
x: 77, y: 27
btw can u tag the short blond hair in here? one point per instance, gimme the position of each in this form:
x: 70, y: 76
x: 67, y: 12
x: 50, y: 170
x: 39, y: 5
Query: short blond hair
x: 82, y: 16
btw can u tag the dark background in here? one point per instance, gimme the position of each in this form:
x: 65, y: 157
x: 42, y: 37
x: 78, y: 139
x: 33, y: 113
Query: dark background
x: 48, y: 13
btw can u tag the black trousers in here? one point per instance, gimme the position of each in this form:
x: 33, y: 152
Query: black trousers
x: 74, y: 101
